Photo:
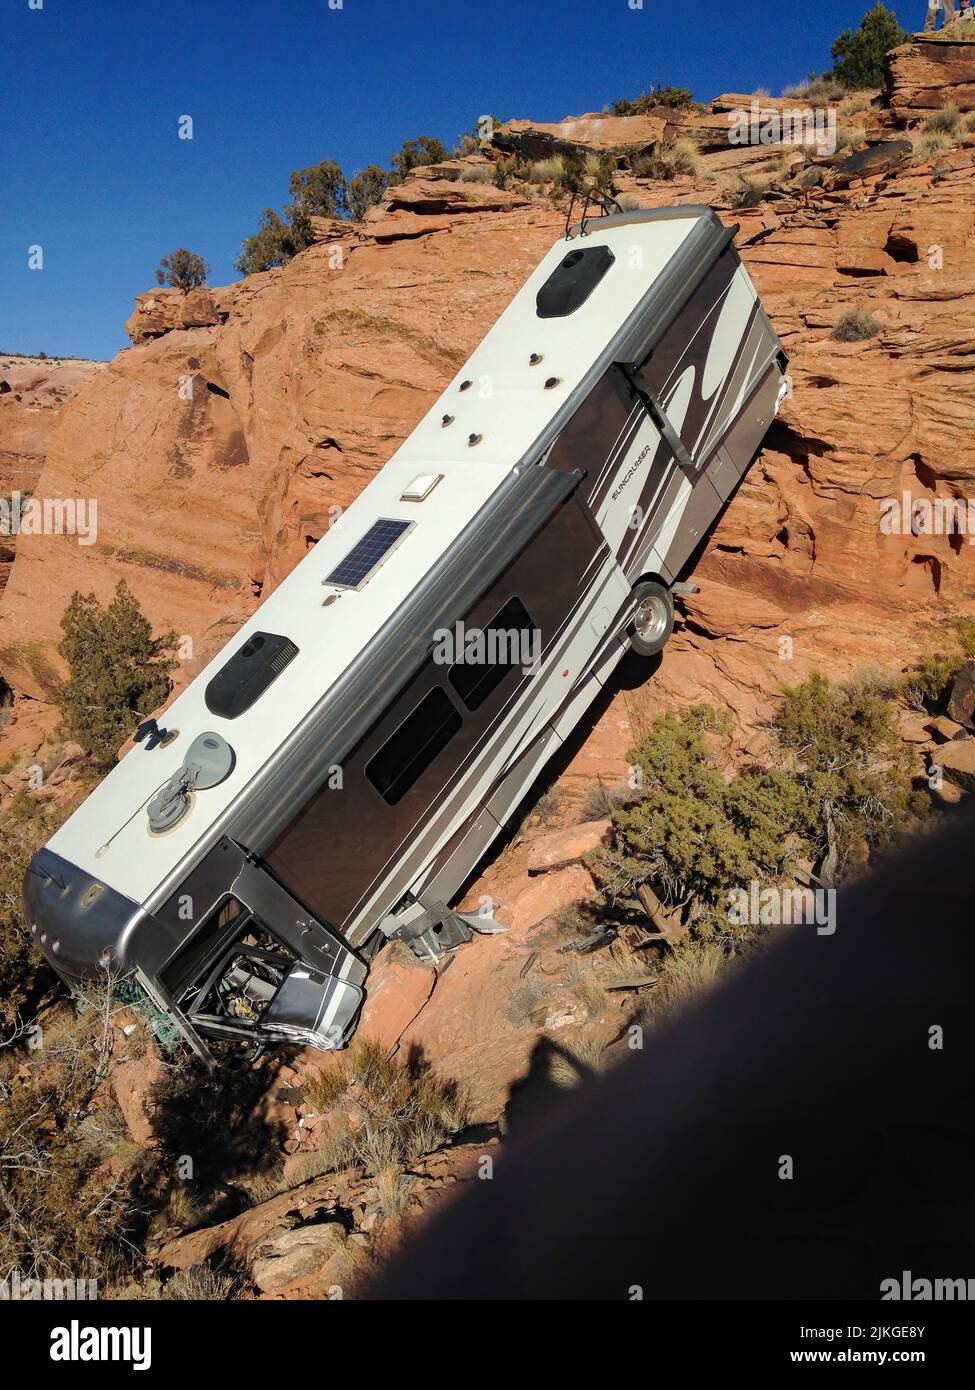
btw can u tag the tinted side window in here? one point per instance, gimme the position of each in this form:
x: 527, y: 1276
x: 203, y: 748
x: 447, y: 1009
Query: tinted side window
x: 506, y: 643
x: 414, y: 745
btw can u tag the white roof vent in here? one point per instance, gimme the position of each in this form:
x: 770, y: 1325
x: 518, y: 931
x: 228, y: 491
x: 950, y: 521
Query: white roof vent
x: 421, y: 487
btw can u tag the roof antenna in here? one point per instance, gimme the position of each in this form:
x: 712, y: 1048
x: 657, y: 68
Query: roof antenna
x: 209, y: 761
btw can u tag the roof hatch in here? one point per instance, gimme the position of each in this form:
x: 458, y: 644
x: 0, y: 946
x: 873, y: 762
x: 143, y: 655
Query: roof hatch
x: 573, y: 281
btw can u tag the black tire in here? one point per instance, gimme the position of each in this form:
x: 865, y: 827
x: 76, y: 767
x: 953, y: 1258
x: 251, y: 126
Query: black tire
x: 653, y: 620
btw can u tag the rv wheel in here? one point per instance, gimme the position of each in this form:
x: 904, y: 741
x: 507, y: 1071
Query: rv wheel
x: 653, y: 620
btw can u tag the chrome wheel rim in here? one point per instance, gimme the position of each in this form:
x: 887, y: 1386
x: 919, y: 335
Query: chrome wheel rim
x: 650, y: 622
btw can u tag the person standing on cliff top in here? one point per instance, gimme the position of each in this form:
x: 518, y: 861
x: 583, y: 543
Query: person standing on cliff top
x: 933, y: 7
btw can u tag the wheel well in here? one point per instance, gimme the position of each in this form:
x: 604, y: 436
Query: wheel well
x: 656, y: 578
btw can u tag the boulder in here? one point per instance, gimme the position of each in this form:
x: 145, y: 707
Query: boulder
x: 291, y: 1255
x: 865, y: 261
x: 160, y: 311
x: 957, y: 760
x: 914, y: 727
x: 438, y: 197
x: 875, y: 159
x: 561, y: 847
x: 944, y: 729
x: 579, y: 134
x: 398, y: 987
x: 331, y: 229
x: 961, y: 701
x: 132, y: 1083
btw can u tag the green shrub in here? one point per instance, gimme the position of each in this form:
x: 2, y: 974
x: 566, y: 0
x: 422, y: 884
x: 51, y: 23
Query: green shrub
x: 678, y: 837
x: 183, y: 270
x: 274, y: 243
x: 506, y: 169
x: 842, y: 747
x: 425, y: 149
x: 118, y: 673
x: 470, y: 141
x: 859, y: 54
x: 839, y: 780
x: 677, y: 98
x: 26, y: 825
x: 925, y: 684
x: 316, y: 191
x: 965, y: 632
x: 855, y: 326
x: 364, y: 190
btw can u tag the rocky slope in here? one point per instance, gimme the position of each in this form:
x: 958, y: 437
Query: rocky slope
x: 32, y: 392
x: 219, y: 443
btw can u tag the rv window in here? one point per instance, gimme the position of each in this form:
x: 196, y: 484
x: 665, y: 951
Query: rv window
x: 505, y: 643
x: 414, y: 745
x: 240, y: 988
x: 211, y: 936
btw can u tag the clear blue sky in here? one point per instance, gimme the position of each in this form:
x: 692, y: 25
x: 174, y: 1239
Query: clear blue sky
x: 92, y: 170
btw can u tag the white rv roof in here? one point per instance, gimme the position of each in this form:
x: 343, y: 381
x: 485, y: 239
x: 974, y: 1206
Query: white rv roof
x: 508, y: 406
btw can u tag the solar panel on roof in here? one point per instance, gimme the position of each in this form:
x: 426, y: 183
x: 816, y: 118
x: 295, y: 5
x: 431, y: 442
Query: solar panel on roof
x: 368, y: 554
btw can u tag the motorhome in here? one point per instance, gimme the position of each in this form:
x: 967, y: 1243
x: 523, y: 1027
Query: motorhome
x: 333, y: 777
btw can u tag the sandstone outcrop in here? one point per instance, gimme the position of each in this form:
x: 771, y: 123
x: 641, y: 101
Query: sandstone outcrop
x: 162, y: 310
x: 930, y: 70
x: 581, y: 134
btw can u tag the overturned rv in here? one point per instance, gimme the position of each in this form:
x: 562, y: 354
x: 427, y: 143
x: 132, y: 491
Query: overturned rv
x: 335, y: 774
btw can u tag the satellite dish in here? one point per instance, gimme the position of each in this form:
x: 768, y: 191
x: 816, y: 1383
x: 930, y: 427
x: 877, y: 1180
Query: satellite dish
x: 209, y: 761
